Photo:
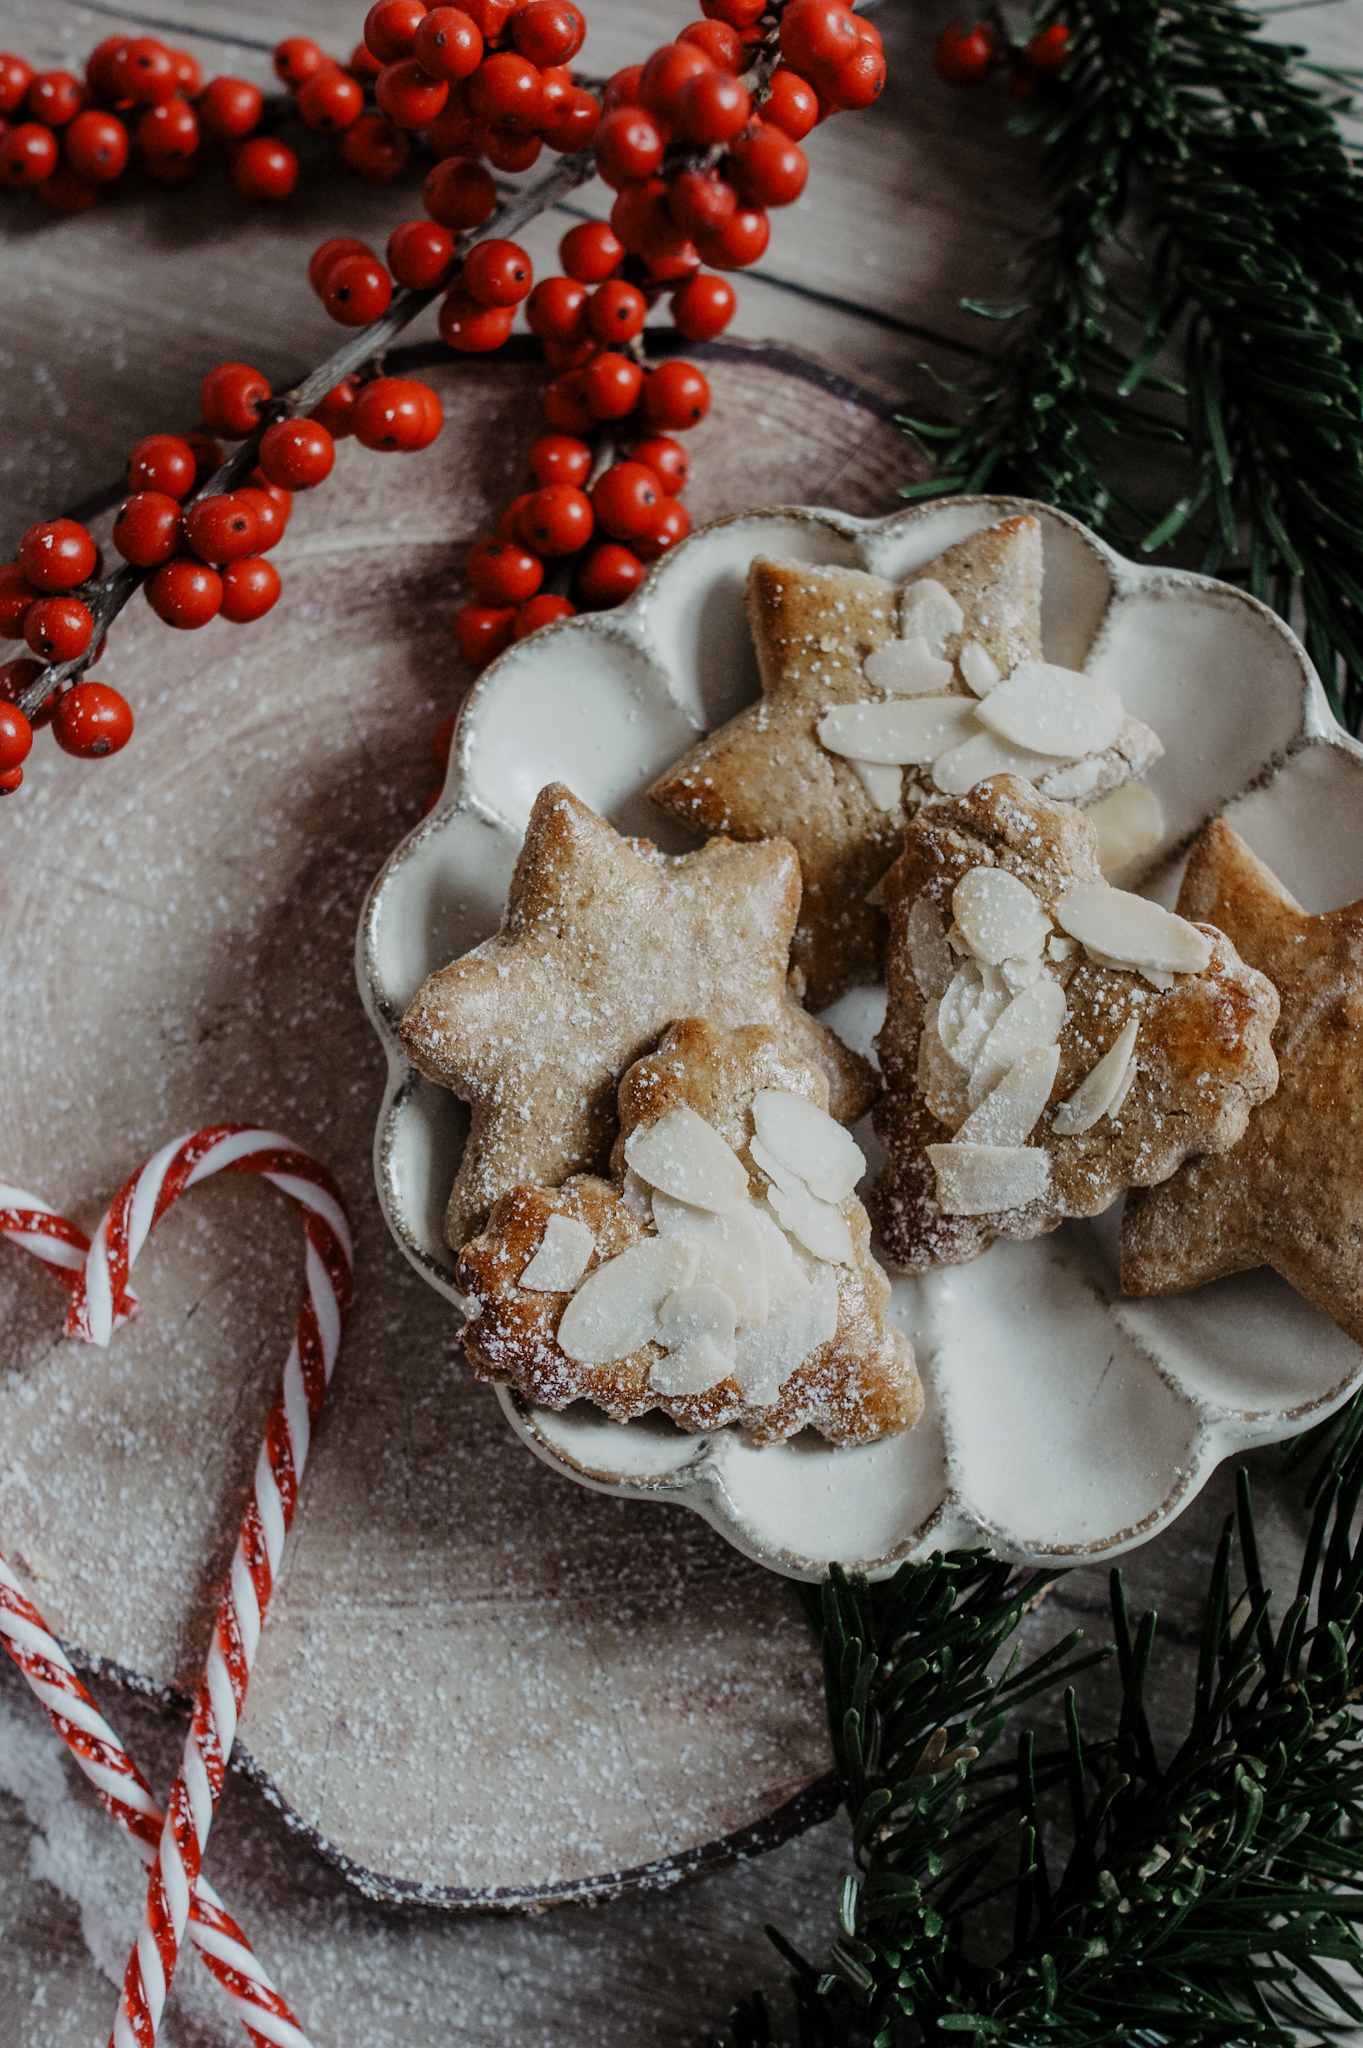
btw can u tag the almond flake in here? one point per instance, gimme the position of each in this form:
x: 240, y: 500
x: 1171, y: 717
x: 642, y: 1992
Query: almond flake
x: 1097, y: 1092
x: 984, y: 753
x: 928, y: 608
x: 818, y: 1226
x: 998, y: 915
x: 980, y: 1180
x: 808, y: 1140
x: 785, y: 1271
x: 1129, y: 823
x: 764, y: 1358
x: 1054, y: 710
x: 562, y: 1258
x: 1007, y: 1116
x: 691, y: 1369
x: 1034, y: 1018
x: 1063, y: 785
x: 979, y: 670
x: 615, y: 1310
x: 700, y: 1310
x: 928, y: 949
x: 907, y: 668
x: 1022, y: 972
x: 963, y: 993
x: 683, y: 1156
x: 1118, y: 929
x: 731, y: 1248
x: 884, y: 786
x: 907, y: 729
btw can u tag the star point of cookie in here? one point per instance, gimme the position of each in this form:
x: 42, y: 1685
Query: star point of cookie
x: 605, y: 942
x: 1290, y: 1194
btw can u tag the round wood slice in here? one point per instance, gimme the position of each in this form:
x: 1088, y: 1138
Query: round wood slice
x: 479, y: 1685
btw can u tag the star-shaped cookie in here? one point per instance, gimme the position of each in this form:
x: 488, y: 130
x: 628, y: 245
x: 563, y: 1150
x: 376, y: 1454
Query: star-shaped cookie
x: 1290, y: 1195
x: 605, y: 942
x: 766, y: 772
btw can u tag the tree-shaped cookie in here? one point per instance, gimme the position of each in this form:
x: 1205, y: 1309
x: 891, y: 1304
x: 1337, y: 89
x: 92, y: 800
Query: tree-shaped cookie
x: 605, y: 941
x: 1049, y: 1040
x: 723, y: 1274
x: 874, y: 695
x: 1290, y: 1194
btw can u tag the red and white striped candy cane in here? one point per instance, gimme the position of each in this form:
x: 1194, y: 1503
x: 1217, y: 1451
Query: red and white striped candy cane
x: 125, y: 1795
x: 136, y: 1208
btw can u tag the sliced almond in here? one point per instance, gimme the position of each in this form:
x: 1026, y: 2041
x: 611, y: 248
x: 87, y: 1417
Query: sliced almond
x: 933, y: 965
x: 963, y: 993
x: 1034, y: 1018
x: 979, y: 670
x: 884, y: 786
x: 943, y: 1084
x: 1121, y: 930
x: 1022, y: 972
x: 731, y: 1250
x: 907, y: 668
x: 1097, y: 1092
x: 615, y: 1310
x: 1129, y: 823
x: 817, y: 1225
x: 984, y: 753
x: 764, y: 1358
x: 928, y: 608
x: 1056, y: 711
x: 565, y: 1251
x: 691, y: 1369
x: 683, y: 1156
x: 1008, y: 1115
x: 785, y: 1271
x: 700, y: 1310
x: 980, y: 1180
x: 1064, y: 785
x: 998, y: 915
x: 827, y: 1158
x: 907, y: 729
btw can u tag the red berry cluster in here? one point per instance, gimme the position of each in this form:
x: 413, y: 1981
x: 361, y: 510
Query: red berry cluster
x: 38, y: 600
x: 965, y: 55
x: 63, y: 138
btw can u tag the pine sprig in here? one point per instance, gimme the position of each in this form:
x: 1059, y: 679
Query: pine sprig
x: 1196, y: 284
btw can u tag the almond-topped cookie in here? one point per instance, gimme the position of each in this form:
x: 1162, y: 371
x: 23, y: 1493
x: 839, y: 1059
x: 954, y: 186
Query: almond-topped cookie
x: 722, y: 1275
x: 604, y: 942
x: 875, y: 695
x: 1049, y: 1040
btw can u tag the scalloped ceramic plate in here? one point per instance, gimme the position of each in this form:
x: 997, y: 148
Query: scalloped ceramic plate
x: 1063, y: 1422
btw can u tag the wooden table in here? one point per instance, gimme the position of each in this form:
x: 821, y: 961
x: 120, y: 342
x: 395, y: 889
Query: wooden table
x: 107, y: 323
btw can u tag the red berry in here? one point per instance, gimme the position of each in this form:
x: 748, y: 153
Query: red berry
x: 541, y: 611
x: 296, y: 454
x: 592, y: 252
x: 327, y: 253
x: 556, y: 309
x: 231, y: 107
x: 162, y: 462
x: 569, y: 355
x: 184, y: 592
x: 767, y: 168
x: 742, y: 240
x: 667, y: 71
x: 699, y: 201
x: 357, y: 290
x: 92, y: 720
x: 15, y: 79
x: 721, y: 44
x: 559, y: 459
x: 627, y: 499
x: 390, y: 28
x: 207, y: 454
x: 622, y: 88
x: 297, y: 59
x: 497, y: 273
x: 558, y: 520
x: 374, y: 149
x: 672, y: 524
x: 629, y: 146
x: 409, y: 95
x: 501, y: 573
x: 170, y: 170
x: 272, y: 508
x: 266, y: 169
x: 230, y: 400
x: 1049, y: 51
x: 283, y: 500
x: 448, y: 44
x: 457, y: 131
x: 249, y: 588
x: 471, y: 328
x: 712, y: 107
x: 676, y: 396
x: 965, y: 57
x: 792, y: 104
x: 143, y: 70
x: 96, y: 146
x: 16, y: 738
x: 567, y: 406
x: 67, y: 193
x: 860, y: 81
x: 667, y: 459
x: 58, y: 628
x: 10, y: 781
x: 818, y: 34
x: 397, y: 415
x: 483, y: 632
x: 739, y: 14
x: 57, y: 554
x: 616, y: 312
x: 459, y: 195
x: 548, y: 31
x: 28, y: 154
x: 612, y: 384
x: 17, y: 594
x: 221, y: 528
x: 18, y: 676
x: 509, y: 525
x: 703, y: 307
x: 55, y: 97
x: 189, y: 76
x: 331, y: 100
x: 641, y: 219
x: 421, y: 254
x: 574, y: 126
x: 363, y: 64
x: 147, y: 529
x: 509, y: 150
x: 506, y: 89
x: 609, y: 574
x: 169, y: 130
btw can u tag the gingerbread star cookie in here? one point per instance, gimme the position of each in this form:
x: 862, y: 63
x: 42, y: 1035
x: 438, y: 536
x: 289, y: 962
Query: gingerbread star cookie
x: 1049, y: 1040
x: 1290, y: 1195
x: 605, y: 941
x: 722, y: 1275
x: 875, y: 696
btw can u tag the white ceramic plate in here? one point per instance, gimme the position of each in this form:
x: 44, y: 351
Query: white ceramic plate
x: 1063, y: 1421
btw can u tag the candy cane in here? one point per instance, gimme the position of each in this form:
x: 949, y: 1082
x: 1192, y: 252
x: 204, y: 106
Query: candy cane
x: 97, y: 1277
